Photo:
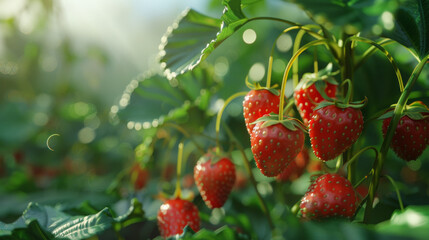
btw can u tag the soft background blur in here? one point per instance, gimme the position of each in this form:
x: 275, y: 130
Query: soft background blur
x: 63, y: 64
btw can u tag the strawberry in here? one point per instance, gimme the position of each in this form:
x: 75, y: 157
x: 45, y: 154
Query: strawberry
x: 276, y: 143
x: 175, y: 214
x: 411, y: 135
x: 307, y: 93
x: 139, y: 176
x: 295, y: 168
x: 214, y: 177
x: 334, y: 129
x: 331, y: 195
x: 257, y: 103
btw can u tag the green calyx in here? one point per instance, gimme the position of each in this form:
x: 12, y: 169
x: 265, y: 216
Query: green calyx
x: 257, y: 86
x: 213, y: 155
x: 292, y: 124
x: 319, y: 80
x: 414, y: 111
x: 344, y: 102
x: 325, y: 74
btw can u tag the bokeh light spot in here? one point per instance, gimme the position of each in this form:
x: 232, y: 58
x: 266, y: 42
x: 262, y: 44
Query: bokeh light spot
x: 257, y: 72
x: 86, y: 135
x: 249, y: 36
x: 284, y: 43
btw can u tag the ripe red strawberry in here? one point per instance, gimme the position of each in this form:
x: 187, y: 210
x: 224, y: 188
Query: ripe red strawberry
x: 214, y: 178
x: 257, y: 103
x: 139, y: 176
x: 306, y: 99
x: 410, y: 138
x: 307, y: 95
x: 333, y: 130
x: 331, y: 195
x: 275, y: 144
x: 295, y: 168
x: 175, y: 214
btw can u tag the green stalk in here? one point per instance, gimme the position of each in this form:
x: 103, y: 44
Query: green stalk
x: 378, y: 165
x: 347, y: 76
x: 371, y: 51
x: 251, y: 177
x: 302, y: 31
x: 386, y: 53
x: 295, y: 66
x: 288, y: 67
x: 178, y: 191
x: 219, y: 116
x: 398, y: 194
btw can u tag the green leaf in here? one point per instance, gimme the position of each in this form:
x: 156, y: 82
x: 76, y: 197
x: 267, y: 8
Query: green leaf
x: 192, y: 38
x: 153, y: 99
x: 224, y: 232
x: 413, y: 222
x: 31, y: 232
x: 411, y: 27
x: 63, y: 226
x: 352, y: 15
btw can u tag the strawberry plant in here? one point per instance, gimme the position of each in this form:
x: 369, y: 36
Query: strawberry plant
x: 323, y: 152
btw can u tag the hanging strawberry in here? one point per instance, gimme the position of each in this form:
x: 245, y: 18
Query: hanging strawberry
x: 215, y: 177
x: 275, y: 143
x: 311, y: 91
x: 412, y: 133
x: 335, y: 126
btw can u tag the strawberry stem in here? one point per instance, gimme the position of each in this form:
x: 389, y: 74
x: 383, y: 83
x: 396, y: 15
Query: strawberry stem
x: 178, y: 191
x: 219, y: 117
x: 315, y: 63
x: 386, y: 53
x: 355, y: 158
x: 270, y: 69
x: 371, y: 50
x: 398, y: 194
x: 251, y: 177
x: 288, y: 67
x: 378, y: 166
x: 362, y: 180
x: 349, y: 92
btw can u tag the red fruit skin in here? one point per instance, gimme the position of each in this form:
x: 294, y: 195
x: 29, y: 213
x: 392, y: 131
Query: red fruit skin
x: 333, y: 130
x: 139, y: 176
x: 306, y: 99
x: 175, y: 214
x: 331, y: 195
x: 295, y: 168
x: 214, y: 181
x: 410, y: 138
x: 274, y: 147
x: 256, y: 104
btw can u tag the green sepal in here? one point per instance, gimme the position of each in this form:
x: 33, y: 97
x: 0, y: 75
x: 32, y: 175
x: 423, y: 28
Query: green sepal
x: 213, y: 155
x: 414, y: 111
x: 325, y: 74
x: 292, y: 124
x: 340, y: 104
x: 257, y: 86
